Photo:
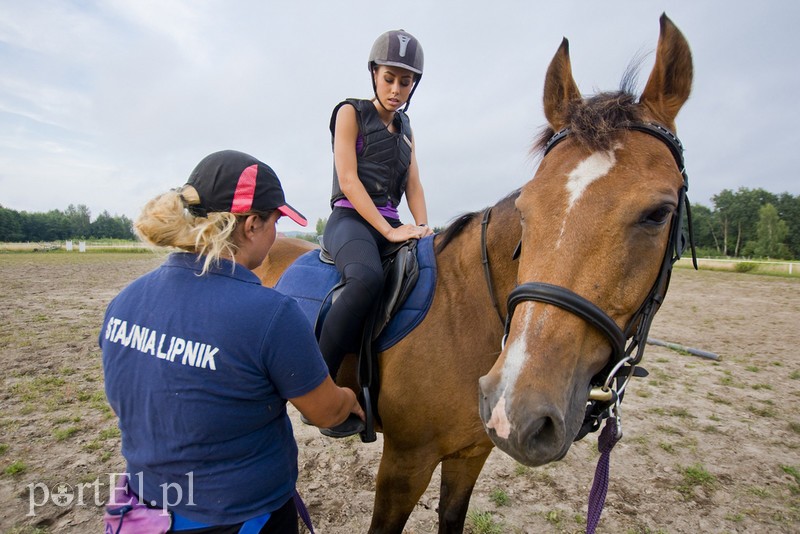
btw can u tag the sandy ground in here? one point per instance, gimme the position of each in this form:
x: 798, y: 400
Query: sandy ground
x: 708, y: 446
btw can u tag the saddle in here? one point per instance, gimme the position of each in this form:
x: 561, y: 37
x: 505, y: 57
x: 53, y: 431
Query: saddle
x: 400, y: 274
x: 409, y: 273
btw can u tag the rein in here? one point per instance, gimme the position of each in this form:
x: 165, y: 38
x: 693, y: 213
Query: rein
x: 608, y: 386
x: 485, y: 260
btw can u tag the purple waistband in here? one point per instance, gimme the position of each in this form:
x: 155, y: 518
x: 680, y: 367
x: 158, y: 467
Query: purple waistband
x: 388, y: 210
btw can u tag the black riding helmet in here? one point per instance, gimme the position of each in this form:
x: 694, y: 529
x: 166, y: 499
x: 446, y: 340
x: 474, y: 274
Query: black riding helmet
x: 397, y: 48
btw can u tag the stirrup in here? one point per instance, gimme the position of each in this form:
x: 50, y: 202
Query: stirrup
x: 350, y: 427
x: 368, y: 435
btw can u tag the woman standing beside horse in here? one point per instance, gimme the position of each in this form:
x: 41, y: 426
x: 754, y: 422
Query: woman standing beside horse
x: 374, y: 166
x: 199, y: 361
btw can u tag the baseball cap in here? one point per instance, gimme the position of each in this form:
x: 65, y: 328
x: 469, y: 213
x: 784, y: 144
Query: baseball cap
x: 235, y: 182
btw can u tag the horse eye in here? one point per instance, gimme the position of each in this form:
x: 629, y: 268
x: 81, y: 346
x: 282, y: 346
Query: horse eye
x: 657, y: 217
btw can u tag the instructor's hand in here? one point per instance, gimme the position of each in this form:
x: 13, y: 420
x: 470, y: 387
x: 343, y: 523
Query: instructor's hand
x: 356, y: 407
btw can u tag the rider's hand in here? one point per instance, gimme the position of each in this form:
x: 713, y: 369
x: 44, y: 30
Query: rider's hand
x: 406, y: 232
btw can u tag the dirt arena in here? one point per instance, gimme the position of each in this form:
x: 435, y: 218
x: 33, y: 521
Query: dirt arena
x: 708, y: 446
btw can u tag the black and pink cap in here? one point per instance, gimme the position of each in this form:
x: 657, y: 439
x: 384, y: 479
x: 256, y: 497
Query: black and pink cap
x: 235, y: 182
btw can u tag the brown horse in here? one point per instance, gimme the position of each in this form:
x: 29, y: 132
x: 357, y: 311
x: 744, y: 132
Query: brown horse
x: 596, y: 223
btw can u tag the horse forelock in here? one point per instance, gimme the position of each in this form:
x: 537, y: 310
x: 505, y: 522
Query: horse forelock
x: 597, y: 122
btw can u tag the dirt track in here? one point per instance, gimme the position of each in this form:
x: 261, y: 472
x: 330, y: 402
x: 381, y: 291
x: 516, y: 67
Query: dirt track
x: 708, y: 446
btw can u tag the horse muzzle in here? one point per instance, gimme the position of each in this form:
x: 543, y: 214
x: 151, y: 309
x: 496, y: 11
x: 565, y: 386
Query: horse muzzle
x: 533, y: 432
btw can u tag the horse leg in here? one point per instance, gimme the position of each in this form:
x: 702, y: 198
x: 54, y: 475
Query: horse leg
x: 403, y: 476
x: 458, y: 478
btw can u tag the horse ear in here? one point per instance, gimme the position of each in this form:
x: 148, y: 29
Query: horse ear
x: 559, y: 88
x: 670, y: 81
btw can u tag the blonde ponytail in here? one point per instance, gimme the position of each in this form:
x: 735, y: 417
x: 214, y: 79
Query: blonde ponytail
x: 166, y: 221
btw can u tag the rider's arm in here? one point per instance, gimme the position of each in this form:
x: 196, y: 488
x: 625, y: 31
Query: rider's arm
x: 344, y: 157
x: 415, y: 194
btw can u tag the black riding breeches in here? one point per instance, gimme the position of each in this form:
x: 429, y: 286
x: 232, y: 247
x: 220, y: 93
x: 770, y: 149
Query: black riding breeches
x: 355, y: 247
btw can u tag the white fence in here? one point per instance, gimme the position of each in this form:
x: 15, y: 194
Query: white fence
x: 72, y: 246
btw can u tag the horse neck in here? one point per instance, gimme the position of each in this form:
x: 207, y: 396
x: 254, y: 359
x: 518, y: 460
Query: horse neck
x: 462, y: 260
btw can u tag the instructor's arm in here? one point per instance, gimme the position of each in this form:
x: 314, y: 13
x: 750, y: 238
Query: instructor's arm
x: 328, y: 405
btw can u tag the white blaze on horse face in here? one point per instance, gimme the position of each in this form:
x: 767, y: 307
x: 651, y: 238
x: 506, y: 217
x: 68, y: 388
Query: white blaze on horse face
x: 498, y: 421
x: 516, y: 355
x: 585, y: 173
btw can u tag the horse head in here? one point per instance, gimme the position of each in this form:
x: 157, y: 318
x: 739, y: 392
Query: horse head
x: 596, y: 221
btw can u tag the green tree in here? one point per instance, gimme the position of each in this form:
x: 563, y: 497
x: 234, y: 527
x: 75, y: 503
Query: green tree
x: 723, y: 204
x: 771, y: 231
x: 789, y: 211
x: 321, y: 223
x: 738, y: 214
x: 50, y: 226
x: 10, y: 225
x: 79, y: 218
x: 106, y: 226
x: 706, y: 229
x: 56, y: 225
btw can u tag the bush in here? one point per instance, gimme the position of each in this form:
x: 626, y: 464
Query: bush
x: 745, y: 266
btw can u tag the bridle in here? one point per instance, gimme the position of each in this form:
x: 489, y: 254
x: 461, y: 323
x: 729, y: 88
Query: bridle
x: 627, y: 345
x: 608, y: 386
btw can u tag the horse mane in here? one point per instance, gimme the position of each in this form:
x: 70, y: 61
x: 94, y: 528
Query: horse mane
x: 596, y: 122
x: 457, y: 225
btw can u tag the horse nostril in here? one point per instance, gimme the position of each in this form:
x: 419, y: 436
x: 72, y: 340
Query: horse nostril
x: 534, y: 430
x: 543, y: 433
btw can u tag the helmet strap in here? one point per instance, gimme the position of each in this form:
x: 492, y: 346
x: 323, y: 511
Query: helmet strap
x: 381, y: 103
x: 416, y: 83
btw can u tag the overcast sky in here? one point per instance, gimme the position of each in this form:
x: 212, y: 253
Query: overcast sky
x: 109, y: 103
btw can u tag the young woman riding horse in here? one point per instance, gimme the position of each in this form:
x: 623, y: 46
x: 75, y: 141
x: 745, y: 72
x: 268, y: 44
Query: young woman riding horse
x: 375, y: 165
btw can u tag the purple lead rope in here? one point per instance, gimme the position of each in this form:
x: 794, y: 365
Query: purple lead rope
x: 597, y: 497
x: 302, y: 511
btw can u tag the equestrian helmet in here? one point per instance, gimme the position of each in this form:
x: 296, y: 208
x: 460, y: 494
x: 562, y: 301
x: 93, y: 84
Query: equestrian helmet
x: 397, y: 48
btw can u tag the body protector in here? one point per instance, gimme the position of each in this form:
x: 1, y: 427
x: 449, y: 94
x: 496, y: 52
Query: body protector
x: 385, y: 156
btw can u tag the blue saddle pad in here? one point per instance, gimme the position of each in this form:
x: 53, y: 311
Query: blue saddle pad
x: 308, y: 281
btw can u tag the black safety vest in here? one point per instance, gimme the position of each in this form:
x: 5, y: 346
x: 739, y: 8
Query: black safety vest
x: 383, y: 162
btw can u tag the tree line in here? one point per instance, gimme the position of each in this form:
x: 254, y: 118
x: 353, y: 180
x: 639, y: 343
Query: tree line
x: 751, y: 223
x: 56, y: 225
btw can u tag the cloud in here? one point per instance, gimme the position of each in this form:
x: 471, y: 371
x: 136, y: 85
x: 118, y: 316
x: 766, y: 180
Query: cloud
x: 109, y: 104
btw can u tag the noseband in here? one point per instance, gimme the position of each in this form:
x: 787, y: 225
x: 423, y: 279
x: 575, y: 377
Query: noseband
x: 608, y: 386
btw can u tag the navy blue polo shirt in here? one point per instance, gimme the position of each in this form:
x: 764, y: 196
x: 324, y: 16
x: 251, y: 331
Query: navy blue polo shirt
x: 198, y: 369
